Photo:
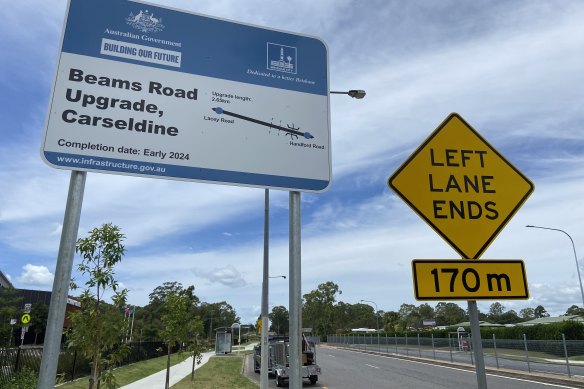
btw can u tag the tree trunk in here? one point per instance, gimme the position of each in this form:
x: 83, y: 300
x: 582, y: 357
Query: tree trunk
x: 193, y: 370
x: 166, y: 385
x: 93, y: 374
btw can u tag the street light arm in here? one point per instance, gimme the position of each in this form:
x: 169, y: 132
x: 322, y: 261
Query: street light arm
x: 557, y: 229
x: 573, y: 248
x: 372, y: 302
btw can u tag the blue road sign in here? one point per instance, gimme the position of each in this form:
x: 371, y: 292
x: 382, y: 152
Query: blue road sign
x: 151, y: 91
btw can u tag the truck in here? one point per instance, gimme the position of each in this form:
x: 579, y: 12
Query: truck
x: 278, y: 356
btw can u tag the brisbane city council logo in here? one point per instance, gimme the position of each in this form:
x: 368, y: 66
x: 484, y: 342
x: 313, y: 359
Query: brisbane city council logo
x: 145, y: 21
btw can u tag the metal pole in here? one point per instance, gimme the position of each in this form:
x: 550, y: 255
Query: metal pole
x: 64, y: 267
x: 295, y: 294
x: 477, y: 345
x: 132, y: 327
x: 10, y: 339
x: 265, y: 322
x: 450, y: 348
x: 495, y: 349
x: 395, y: 337
x: 526, y: 353
x: 433, y: 349
x: 566, y: 355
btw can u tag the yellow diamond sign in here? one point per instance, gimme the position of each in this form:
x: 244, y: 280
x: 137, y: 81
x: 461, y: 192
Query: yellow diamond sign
x: 461, y: 186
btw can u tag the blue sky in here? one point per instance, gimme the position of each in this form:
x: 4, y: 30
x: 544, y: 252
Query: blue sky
x: 512, y: 69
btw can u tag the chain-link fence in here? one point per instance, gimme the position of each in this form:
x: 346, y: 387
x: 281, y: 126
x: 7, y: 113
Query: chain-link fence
x: 562, y: 357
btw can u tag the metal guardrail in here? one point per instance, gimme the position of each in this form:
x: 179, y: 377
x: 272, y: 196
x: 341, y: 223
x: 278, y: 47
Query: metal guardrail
x: 561, y: 357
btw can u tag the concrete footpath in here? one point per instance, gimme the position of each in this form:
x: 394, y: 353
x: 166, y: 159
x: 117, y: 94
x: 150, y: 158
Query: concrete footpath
x: 177, y: 373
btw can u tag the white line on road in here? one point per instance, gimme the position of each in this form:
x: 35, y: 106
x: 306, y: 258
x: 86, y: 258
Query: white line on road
x: 332, y: 356
x: 470, y: 371
x: 375, y: 367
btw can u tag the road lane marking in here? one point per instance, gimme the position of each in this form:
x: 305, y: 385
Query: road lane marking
x: 466, y: 371
x: 375, y: 367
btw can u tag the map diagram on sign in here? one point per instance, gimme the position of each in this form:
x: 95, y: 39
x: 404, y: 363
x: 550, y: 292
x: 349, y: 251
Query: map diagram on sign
x: 290, y: 130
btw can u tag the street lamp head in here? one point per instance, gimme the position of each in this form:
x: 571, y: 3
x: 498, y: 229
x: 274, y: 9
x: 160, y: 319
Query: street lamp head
x: 357, y: 93
x: 354, y: 93
x: 284, y: 277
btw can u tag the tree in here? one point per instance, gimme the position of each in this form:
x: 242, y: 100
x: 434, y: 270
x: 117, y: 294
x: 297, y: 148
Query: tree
x: 39, y: 315
x: 426, y: 311
x: 98, y: 328
x: 390, y: 321
x: 409, y: 316
x: 217, y: 315
x: 342, y: 317
x: 449, y: 314
x: 318, y: 307
x: 509, y: 317
x: 175, y: 328
x: 496, y: 310
x: 279, y: 320
x: 198, y: 344
x: 9, y: 309
x: 540, y: 312
x: 160, y: 293
x: 362, y: 316
x: 527, y: 313
x: 575, y: 310
x: 149, y: 318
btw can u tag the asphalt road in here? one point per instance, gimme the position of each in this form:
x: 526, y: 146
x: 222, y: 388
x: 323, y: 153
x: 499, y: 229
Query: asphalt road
x: 344, y: 369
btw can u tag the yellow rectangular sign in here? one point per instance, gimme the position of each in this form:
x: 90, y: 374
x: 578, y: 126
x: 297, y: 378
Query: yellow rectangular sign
x: 469, y: 280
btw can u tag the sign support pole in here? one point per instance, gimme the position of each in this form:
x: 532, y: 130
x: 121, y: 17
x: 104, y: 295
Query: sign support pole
x: 295, y: 295
x: 54, y: 331
x: 265, y: 285
x: 477, y: 344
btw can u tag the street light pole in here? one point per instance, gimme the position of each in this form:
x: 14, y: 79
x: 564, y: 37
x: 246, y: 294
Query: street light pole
x: 265, y: 285
x: 575, y: 256
x: 376, y: 318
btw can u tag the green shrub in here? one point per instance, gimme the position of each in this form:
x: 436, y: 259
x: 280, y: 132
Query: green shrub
x: 24, y: 379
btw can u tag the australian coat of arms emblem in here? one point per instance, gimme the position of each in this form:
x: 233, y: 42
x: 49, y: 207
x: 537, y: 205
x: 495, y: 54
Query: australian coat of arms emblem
x: 145, y: 21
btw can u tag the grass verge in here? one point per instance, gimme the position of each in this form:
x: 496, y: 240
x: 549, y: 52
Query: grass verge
x: 219, y: 373
x: 130, y: 373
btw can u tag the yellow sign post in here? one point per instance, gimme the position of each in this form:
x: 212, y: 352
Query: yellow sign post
x: 469, y: 280
x: 461, y: 186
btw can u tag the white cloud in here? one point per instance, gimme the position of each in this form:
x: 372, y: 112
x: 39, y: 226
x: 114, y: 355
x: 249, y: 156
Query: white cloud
x: 38, y: 276
x: 226, y: 275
